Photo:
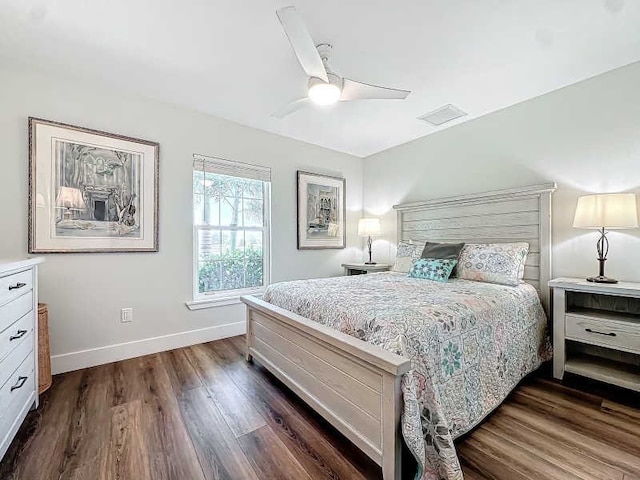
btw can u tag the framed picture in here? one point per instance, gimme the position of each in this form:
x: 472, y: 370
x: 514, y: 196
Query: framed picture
x: 91, y: 191
x: 321, y: 211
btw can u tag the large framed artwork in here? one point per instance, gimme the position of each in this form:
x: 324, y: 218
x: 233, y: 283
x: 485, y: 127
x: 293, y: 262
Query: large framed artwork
x: 91, y: 191
x: 321, y: 211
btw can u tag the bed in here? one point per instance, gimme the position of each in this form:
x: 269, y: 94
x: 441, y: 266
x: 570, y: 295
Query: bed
x: 380, y: 355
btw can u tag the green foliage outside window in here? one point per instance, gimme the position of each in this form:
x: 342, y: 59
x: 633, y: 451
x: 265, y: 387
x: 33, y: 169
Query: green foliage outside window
x: 236, y: 269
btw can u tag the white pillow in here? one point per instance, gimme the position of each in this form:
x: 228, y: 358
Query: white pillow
x: 501, y: 263
x: 405, y: 256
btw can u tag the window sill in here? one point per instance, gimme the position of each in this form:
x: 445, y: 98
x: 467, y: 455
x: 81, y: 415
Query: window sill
x: 221, y: 301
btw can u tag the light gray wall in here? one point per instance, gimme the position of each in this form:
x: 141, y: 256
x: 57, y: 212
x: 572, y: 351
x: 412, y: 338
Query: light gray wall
x: 585, y: 137
x: 85, y: 292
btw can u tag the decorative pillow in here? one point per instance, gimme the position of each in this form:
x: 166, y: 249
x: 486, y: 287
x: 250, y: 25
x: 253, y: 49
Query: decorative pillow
x: 438, y: 269
x: 450, y: 251
x: 405, y: 256
x: 501, y: 263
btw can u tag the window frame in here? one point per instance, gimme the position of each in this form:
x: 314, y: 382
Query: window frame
x: 232, y: 296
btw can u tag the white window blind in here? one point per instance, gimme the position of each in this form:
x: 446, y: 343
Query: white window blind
x: 231, y: 169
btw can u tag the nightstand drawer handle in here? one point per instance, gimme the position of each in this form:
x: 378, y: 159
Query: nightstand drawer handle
x: 19, y: 334
x: 19, y: 383
x: 17, y: 285
x: 608, y: 334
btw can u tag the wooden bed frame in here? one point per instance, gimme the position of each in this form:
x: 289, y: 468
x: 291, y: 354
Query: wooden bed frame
x: 355, y: 385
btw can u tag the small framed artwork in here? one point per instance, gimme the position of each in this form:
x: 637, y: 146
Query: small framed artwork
x: 321, y: 211
x: 91, y: 191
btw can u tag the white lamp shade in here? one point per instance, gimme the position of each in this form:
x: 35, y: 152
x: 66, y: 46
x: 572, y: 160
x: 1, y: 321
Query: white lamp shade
x: 609, y: 210
x: 369, y: 227
x: 70, y: 198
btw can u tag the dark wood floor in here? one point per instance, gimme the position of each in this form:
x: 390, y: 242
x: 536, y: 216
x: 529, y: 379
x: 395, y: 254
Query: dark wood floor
x: 204, y: 413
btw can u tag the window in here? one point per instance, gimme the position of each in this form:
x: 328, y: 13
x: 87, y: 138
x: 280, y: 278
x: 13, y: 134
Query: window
x: 231, y: 210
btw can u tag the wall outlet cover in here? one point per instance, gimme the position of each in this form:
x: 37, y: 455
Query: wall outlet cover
x: 126, y: 315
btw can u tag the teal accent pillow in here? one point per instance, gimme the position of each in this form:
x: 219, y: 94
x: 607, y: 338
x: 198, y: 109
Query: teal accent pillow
x: 437, y: 269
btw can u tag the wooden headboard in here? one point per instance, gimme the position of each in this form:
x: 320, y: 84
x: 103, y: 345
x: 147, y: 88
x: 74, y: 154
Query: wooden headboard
x: 514, y: 215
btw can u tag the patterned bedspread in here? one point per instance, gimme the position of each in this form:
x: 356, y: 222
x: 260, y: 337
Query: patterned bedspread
x: 470, y: 343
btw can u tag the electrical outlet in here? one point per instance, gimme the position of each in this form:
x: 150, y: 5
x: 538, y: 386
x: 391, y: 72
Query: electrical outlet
x: 126, y: 315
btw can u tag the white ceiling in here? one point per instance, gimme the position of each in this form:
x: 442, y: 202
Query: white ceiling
x: 230, y: 58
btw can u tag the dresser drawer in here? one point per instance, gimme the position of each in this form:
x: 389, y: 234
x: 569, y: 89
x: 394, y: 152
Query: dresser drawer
x: 13, y: 310
x: 15, y: 358
x: 15, y: 403
x: 21, y: 381
x: 617, y: 334
x: 12, y: 286
x: 12, y: 337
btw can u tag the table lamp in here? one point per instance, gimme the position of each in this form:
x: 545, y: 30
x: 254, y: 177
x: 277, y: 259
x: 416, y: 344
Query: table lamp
x: 609, y: 211
x: 369, y: 227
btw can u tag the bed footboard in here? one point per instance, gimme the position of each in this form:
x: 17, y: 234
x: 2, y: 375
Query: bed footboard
x: 352, y: 384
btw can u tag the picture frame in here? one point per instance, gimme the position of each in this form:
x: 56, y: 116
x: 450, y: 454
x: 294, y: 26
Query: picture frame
x: 321, y: 211
x: 91, y: 191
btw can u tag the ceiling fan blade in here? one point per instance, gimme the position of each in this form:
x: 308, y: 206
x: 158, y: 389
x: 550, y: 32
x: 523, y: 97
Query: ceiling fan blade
x: 291, y: 108
x: 302, y: 42
x: 352, y: 90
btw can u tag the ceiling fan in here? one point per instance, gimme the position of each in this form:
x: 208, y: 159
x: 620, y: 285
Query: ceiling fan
x: 325, y: 87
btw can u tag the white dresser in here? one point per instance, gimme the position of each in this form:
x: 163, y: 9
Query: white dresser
x: 18, y: 345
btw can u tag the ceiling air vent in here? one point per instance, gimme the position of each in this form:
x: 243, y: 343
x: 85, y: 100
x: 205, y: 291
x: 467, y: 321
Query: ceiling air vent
x: 442, y: 115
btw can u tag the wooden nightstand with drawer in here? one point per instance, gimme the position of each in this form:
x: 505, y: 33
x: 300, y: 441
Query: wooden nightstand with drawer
x: 596, y: 331
x: 363, y: 268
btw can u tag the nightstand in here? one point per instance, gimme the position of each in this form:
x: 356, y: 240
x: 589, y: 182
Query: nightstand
x: 596, y: 331
x: 361, y: 268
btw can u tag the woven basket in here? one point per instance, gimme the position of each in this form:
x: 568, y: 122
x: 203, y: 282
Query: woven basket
x: 44, y: 352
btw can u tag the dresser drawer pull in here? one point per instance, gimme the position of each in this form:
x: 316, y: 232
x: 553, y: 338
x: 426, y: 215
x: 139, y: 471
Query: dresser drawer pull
x: 19, y: 334
x: 17, y: 286
x: 19, y: 383
x: 608, y: 334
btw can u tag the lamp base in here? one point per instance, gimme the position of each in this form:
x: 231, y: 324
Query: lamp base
x: 370, y: 262
x: 602, y: 279
x: 603, y: 249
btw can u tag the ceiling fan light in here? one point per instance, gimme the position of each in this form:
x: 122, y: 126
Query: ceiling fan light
x: 324, y: 94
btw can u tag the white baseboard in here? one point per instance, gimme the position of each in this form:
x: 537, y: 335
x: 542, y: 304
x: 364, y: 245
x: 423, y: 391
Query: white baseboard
x: 68, y: 362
